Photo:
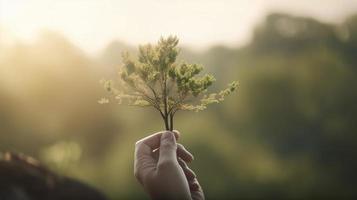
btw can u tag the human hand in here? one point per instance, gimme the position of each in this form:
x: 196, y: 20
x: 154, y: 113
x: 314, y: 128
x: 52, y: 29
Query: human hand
x: 160, y: 167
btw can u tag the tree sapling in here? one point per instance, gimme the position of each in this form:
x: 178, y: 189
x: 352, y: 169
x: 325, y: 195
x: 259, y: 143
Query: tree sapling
x: 155, y: 79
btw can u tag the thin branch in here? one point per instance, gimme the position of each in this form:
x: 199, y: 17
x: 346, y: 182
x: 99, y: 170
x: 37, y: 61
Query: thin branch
x: 171, y: 121
x: 153, y: 92
x: 178, y: 102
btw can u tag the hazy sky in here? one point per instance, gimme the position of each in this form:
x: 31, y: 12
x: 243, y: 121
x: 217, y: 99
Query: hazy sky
x: 92, y: 24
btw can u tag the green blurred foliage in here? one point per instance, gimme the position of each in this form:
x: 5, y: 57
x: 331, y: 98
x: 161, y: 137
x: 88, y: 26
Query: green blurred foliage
x: 289, y: 132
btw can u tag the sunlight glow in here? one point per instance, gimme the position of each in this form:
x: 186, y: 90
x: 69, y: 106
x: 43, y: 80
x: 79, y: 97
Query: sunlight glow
x: 92, y: 24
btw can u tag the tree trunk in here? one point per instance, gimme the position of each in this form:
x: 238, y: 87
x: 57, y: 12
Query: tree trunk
x: 167, y: 125
x: 171, y: 122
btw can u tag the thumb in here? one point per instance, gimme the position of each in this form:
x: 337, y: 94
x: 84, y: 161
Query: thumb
x: 168, y: 147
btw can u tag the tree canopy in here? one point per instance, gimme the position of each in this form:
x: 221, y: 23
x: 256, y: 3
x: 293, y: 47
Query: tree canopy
x: 156, y: 79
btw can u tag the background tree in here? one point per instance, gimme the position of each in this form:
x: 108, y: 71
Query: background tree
x: 155, y: 79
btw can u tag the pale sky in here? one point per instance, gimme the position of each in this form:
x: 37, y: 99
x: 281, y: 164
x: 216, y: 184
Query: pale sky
x: 92, y: 24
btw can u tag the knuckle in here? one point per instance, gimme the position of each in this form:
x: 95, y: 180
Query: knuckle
x: 138, y: 143
x: 139, y: 147
x: 191, y: 173
x: 180, y: 146
x: 181, y: 162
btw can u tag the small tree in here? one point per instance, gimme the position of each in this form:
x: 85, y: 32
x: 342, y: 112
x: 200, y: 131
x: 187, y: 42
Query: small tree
x: 155, y: 79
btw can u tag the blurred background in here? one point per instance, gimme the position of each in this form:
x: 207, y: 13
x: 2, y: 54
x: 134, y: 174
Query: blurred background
x: 289, y: 131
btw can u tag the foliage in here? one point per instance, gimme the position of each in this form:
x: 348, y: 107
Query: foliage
x: 155, y: 79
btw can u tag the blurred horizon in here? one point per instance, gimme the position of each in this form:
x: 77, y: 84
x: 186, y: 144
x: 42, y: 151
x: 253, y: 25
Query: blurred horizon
x: 92, y: 25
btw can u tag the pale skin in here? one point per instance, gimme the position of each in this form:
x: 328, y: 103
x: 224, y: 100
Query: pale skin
x: 160, y: 166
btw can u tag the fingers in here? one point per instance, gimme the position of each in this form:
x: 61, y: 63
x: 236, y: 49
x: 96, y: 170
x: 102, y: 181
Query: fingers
x: 153, y: 141
x: 194, y: 185
x: 167, y: 149
x: 144, y: 161
x: 177, y: 134
x: 183, y: 153
x: 190, y: 175
x: 196, y: 191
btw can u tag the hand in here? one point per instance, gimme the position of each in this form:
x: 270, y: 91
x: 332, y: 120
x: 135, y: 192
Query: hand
x: 160, y: 167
